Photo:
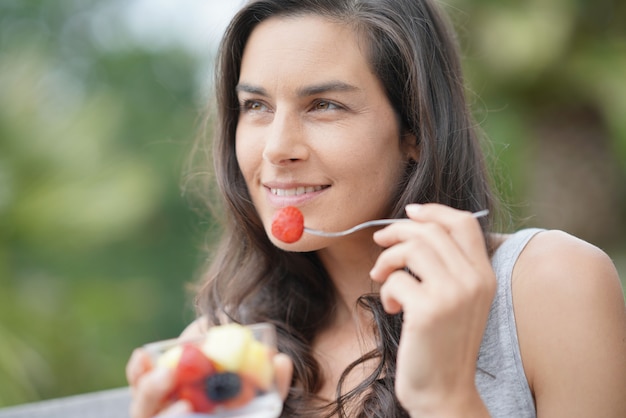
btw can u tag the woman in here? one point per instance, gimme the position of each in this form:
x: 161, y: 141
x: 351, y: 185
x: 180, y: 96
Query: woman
x: 354, y: 110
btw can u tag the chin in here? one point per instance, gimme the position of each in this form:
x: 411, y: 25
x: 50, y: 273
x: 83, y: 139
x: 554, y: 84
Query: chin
x: 303, y: 245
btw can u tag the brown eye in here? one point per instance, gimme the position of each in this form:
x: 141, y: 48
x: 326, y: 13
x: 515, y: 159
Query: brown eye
x: 325, y: 105
x: 322, y: 105
x: 252, y: 106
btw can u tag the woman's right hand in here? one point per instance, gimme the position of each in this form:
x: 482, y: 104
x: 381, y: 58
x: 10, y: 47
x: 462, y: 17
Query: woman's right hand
x: 150, y: 386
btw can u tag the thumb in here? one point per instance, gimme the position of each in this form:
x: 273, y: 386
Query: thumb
x: 283, y: 368
x: 138, y: 365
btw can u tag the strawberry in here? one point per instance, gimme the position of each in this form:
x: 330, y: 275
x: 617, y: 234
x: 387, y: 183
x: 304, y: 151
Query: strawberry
x: 192, y: 366
x: 288, y: 224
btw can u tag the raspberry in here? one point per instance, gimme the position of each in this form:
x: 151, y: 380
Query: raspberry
x: 288, y: 224
x: 221, y: 387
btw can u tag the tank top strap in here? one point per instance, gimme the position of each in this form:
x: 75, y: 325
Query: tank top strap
x: 500, y: 376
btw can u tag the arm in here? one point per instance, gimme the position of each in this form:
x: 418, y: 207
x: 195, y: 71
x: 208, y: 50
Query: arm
x: 571, y: 323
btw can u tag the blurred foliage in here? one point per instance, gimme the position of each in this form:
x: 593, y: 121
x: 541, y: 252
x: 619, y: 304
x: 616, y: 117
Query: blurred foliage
x: 96, y: 241
x: 548, y: 84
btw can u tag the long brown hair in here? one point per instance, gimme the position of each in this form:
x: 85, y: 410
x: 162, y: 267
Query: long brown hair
x: 413, y: 51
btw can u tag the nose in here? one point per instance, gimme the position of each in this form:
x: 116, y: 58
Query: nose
x: 285, y: 140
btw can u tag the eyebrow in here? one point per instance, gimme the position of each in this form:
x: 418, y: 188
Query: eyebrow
x: 303, y: 91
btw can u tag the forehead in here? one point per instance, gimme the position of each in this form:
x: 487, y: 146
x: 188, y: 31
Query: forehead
x: 307, y: 46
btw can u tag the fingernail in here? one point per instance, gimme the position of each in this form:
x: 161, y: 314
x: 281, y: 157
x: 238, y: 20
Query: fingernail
x: 413, y: 208
x: 373, y: 272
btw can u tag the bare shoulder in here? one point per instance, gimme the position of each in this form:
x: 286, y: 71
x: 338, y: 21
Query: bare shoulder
x: 552, y: 256
x: 559, y: 265
x: 571, y: 320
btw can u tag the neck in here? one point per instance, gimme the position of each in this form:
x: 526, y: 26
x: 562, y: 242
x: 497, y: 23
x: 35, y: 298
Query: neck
x: 348, y: 264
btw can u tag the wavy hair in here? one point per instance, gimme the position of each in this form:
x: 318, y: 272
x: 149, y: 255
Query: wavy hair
x: 413, y: 50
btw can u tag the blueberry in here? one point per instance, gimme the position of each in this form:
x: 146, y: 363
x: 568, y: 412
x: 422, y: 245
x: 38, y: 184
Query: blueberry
x: 221, y: 387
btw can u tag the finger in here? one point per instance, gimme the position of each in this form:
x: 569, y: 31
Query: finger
x: 138, y: 365
x: 421, y: 259
x: 462, y: 225
x: 465, y: 229
x: 425, y: 248
x: 399, y: 291
x: 151, y: 392
x: 283, y: 367
x: 425, y: 240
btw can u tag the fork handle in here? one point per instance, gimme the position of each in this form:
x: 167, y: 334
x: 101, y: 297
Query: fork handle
x: 375, y: 222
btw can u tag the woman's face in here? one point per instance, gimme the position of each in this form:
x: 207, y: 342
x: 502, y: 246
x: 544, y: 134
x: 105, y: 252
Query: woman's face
x: 316, y: 129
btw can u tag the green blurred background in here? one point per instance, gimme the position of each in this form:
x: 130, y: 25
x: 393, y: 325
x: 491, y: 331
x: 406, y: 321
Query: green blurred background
x: 97, y: 242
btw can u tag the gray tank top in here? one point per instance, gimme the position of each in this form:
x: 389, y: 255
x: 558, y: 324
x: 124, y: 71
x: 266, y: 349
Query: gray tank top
x: 500, y: 374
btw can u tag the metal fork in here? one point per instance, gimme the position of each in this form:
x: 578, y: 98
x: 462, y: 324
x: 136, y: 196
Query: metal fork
x: 376, y: 222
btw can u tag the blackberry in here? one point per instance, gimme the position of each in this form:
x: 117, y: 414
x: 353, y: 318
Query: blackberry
x: 221, y: 387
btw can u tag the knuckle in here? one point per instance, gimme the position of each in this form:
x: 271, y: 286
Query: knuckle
x: 413, y: 247
x: 393, y: 279
x: 387, y: 256
x: 432, y: 228
x: 464, y: 219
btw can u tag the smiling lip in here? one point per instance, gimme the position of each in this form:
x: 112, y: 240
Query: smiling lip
x: 295, y: 191
x: 282, y: 195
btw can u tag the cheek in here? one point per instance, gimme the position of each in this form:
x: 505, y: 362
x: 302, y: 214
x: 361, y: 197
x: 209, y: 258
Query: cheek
x: 377, y: 173
x: 246, y: 157
x: 381, y: 172
x: 379, y: 160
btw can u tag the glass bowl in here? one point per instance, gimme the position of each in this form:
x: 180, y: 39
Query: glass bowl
x: 228, y: 372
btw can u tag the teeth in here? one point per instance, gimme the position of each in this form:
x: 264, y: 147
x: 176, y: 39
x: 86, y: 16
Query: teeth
x: 296, y: 191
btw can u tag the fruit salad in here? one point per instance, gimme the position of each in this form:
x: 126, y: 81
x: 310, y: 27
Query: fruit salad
x: 227, y: 371
x: 288, y: 224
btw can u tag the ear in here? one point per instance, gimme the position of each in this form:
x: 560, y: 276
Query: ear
x: 409, y: 145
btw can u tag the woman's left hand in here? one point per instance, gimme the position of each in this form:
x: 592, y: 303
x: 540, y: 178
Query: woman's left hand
x: 445, y: 298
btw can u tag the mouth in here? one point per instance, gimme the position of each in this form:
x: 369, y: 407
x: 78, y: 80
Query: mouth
x: 296, y: 191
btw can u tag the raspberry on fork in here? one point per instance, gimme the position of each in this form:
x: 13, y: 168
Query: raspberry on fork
x: 288, y: 224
